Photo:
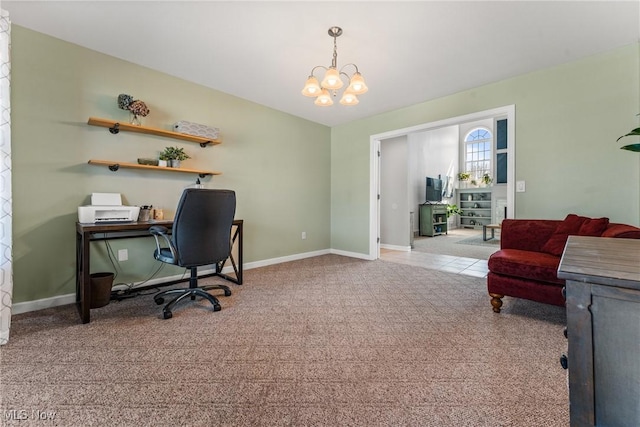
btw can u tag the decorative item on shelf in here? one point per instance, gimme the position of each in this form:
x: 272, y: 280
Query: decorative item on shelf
x: 174, y: 156
x: 463, y: 177
x: 196, y: 129
x: 136, y: 107
x: 148, y: 162
x: 486, y: 179
x: 332, y: 80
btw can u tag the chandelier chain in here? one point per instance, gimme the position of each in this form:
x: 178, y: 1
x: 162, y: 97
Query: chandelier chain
x: 334, y: 61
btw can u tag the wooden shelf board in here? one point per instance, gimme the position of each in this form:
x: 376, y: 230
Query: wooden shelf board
x: 94, y: 121
x: 161, y: 168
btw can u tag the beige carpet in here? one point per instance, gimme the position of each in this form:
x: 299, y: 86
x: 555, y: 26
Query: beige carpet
x: 326, y: 341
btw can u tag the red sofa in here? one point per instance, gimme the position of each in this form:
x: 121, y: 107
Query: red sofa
x: 530, y: 250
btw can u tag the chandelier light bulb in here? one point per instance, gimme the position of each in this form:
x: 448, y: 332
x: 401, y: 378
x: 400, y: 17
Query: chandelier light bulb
x: 311, y: 87
x: 349, y: 98
x: 357, y: 85
x: 332, y: 79
x: 324, y: 99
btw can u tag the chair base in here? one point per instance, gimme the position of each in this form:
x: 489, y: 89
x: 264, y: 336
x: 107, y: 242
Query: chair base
x: 192, y: 293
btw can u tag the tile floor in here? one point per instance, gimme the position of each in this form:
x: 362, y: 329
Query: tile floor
x: 453, y: 264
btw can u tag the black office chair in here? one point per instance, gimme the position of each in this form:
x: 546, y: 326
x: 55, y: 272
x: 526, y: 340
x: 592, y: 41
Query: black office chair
x: 201, y: 235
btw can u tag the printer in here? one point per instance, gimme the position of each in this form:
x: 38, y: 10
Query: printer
x: 105, y: 208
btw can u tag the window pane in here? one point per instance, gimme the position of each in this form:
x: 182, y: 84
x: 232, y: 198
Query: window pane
x: 501, y: 168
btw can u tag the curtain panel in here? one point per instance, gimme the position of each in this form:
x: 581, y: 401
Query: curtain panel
x: 6, y: 258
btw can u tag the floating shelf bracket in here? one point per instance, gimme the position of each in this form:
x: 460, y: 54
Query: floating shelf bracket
x: 115, y: 129
x: 114, y: 167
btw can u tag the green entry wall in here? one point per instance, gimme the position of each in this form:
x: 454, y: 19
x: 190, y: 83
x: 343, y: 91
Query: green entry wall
x: 567, y: 121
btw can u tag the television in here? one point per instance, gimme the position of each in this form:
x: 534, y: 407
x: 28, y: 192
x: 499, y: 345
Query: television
x: 434, y: 190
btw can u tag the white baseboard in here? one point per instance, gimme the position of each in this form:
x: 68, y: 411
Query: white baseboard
x: 396, y: 247
x: 41, y: 304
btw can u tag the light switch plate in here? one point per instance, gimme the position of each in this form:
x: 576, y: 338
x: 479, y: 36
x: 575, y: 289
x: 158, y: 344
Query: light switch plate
x: 520, y: 186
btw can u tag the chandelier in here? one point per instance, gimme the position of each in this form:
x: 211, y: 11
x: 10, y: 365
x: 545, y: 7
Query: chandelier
x: 332, y: 80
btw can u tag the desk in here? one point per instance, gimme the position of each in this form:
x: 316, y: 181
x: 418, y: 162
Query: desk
x: 85, y: 233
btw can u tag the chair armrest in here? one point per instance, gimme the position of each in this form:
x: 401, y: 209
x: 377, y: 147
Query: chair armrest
x: 160, y: 231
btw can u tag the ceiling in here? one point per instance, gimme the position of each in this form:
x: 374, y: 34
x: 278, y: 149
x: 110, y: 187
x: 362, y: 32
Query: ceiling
x: 408, y: 51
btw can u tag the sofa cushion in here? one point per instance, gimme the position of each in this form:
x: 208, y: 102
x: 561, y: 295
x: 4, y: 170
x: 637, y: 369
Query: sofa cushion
x: 593, y: 227
x: 574, y: 225
x: 526, y: 264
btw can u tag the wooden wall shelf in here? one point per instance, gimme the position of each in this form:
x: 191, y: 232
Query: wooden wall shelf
x: 116, y: 126
x: 114, y: 166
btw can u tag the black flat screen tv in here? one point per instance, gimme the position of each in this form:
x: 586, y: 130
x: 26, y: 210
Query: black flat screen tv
x: 434, y: 190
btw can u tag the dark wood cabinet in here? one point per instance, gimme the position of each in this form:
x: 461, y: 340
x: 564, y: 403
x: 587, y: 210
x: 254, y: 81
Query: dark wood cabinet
x: 603, y: 328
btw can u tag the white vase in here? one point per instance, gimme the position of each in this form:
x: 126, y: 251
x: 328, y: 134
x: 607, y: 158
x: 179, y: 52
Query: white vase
x: 174, y: 163
x: 162, y: 163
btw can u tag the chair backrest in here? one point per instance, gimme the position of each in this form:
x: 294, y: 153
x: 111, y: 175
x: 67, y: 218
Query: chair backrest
x: 202, y: 226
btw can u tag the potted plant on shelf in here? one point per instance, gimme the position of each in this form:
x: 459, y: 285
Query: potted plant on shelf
x: 174, y: 156
x: 163, y: 159
x: 463, y: 177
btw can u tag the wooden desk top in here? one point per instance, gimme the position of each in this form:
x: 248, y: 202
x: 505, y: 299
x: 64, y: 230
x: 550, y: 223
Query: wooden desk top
x: 606, y: 261
x: 120, y: 226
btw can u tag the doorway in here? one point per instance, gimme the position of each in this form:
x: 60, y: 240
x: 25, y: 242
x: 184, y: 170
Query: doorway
x: 507, y: 112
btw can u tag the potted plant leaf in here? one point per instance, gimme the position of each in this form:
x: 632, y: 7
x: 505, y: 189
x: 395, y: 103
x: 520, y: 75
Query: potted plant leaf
x: 174, y: 156
x: 631, y: 147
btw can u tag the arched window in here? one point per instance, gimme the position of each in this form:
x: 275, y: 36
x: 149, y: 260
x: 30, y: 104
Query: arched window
x: 477, y: 153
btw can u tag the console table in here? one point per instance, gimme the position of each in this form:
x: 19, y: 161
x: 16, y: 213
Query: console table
x: 603, y: 328
x: 86, y: 233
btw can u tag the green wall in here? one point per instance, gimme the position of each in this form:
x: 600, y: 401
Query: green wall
x: 278, y: 164
x: 567, y: 121
x: 290, y: 175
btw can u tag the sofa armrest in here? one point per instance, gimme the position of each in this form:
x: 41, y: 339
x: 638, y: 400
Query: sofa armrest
x: 622, y: 230
x: 526, y: 234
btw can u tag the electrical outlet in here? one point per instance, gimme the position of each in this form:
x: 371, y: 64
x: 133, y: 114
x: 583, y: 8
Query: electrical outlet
x: 520, y: 187
x: 304, y: 235
x: 123, y: 254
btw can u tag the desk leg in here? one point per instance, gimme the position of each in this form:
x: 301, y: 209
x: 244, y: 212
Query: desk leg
x: 83, y: 284
x: 237, y: 268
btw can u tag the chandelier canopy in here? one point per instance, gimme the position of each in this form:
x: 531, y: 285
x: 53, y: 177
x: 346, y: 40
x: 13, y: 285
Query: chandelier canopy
x: 332, y: 80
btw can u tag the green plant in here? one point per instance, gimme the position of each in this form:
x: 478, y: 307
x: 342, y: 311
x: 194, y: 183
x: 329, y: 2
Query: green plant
x: 174, y: 153
x: 631, y: 147
x: 464, y: 176
x: 453, y: 210
x: 486, y: 179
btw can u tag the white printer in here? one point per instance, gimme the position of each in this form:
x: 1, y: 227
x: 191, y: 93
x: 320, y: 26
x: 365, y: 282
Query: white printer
x: 107, y: 207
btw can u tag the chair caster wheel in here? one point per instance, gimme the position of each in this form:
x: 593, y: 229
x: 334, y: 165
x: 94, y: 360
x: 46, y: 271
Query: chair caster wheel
x: 227, y: 293
x: 217, y: 308
x: 167, y: 314
x: 159, y: 300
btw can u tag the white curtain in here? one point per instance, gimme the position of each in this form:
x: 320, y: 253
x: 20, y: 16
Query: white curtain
x: 6, y: 259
